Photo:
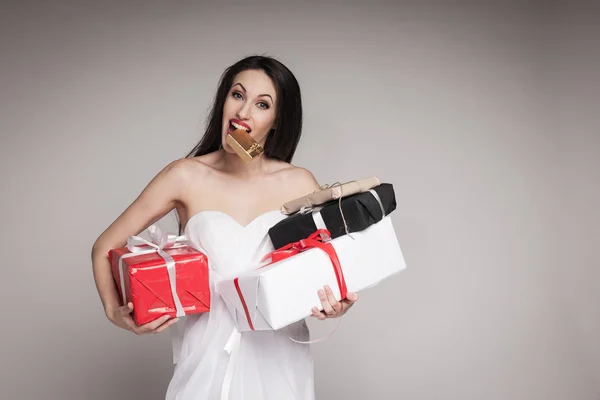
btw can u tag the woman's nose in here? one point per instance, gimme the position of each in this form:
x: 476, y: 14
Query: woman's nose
x: 244, y: 112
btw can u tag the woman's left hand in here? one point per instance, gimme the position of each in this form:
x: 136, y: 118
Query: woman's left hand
x: 331, y: 307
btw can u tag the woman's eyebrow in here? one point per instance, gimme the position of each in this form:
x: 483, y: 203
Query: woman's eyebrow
x: 260, y: 95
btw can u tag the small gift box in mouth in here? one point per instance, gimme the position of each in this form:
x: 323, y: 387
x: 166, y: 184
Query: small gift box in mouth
x: 244, y: 145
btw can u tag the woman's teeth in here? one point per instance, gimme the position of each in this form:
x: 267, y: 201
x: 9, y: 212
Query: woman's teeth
x: 238, y: 126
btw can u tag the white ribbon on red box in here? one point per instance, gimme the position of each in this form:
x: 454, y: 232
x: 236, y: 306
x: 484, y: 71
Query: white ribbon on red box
x: 160, y: 242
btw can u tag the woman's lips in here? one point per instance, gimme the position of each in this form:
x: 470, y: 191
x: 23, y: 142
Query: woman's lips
x: 240, y: 125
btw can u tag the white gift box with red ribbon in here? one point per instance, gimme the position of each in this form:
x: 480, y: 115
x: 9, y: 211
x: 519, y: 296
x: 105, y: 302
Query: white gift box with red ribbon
x: 283, y: 292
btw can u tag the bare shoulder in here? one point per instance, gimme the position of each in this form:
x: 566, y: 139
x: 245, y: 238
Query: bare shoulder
x: 200, y: 164
x: 182, y: 176
x: 195, y: 167
x: 303, y: 177
x: 180, y: 171
x: 167, y: 190
x: 297, y: 181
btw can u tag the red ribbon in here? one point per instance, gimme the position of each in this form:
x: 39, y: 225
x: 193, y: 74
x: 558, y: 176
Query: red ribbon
x: 315, y: 240
x: 239, y: 291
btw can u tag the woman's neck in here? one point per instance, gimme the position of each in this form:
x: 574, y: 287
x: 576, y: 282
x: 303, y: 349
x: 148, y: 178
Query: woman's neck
x: 232, y: 164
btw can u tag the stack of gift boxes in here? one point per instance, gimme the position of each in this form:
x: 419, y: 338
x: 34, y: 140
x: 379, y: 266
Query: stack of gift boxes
x: 340, y: 235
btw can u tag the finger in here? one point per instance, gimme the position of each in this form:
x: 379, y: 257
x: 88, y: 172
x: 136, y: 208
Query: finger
x: 165, y: 325
x: 325, y: 303
x: 351, y: 297
x: 152, y: 325
x: 130, y: 323
x: 127, y: 309
x: 337, y: 307
x: 346, y: 306
x: 317, y: 314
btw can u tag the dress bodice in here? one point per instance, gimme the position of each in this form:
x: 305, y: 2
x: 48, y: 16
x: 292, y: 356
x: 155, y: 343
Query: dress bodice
x: 231, y: 247
x: 214, y: 360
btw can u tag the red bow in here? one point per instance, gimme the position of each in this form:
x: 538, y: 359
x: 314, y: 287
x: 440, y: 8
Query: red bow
x: 289, y: 250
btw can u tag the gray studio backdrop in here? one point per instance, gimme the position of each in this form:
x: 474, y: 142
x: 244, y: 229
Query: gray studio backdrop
x: 483, y: 116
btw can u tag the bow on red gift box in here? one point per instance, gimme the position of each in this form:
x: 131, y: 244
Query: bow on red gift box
x: 315, y: 240
x: 161, y: 241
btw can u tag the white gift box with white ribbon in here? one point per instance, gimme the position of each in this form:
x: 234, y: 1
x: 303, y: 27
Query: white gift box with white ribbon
x: 284, y: 292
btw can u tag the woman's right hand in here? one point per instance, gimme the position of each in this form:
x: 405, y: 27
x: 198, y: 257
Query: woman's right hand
x: 121, y: 317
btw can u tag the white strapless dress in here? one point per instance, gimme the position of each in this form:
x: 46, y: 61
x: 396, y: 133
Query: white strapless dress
x: 268, y: 365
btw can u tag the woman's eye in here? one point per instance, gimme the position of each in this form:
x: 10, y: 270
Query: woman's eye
x: 262, y: 104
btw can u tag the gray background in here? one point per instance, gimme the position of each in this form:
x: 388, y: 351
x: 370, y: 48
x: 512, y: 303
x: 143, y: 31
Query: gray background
x: 484, y: 115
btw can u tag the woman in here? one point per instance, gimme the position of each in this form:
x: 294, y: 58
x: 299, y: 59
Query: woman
x: 226, y: 206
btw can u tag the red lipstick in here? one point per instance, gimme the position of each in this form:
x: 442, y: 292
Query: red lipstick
x: 240, y: 123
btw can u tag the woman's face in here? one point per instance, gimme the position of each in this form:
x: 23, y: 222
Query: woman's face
x: 250, y: 105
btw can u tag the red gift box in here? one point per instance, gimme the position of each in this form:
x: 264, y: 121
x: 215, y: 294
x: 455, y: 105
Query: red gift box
x: 147, y: 282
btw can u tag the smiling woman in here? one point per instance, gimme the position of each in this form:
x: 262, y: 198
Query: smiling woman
x: 226, y: 206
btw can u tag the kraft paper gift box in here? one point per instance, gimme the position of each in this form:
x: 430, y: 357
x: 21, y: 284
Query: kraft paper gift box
x: 274, y: 296
x: 162, y: 277
x: 348, y: 214
x: 327, y: 193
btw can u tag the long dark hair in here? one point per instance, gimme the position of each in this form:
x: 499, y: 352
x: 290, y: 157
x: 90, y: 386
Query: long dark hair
x: 282, y: 141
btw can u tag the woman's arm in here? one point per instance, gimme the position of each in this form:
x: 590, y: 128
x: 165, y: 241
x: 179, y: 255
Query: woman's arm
x: 164, y: 192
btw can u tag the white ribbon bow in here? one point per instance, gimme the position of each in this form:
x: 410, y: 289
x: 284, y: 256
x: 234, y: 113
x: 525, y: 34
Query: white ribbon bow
x: 160, y: 242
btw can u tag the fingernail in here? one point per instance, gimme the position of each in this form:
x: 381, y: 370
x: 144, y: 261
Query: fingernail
x: 321, y: 293
x: 327, y: 287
